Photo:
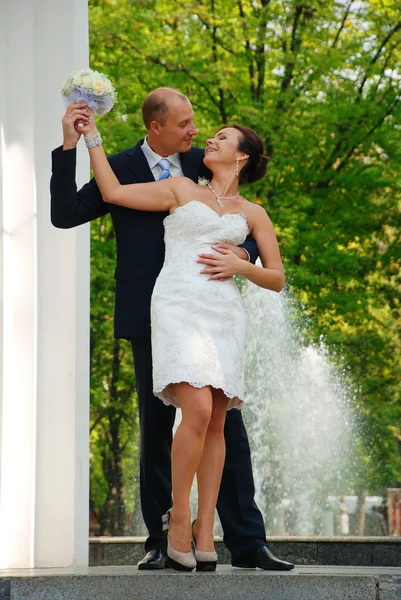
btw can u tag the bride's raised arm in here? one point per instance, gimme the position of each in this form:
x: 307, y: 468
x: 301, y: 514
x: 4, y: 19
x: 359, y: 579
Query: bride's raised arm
x: 154, y: 196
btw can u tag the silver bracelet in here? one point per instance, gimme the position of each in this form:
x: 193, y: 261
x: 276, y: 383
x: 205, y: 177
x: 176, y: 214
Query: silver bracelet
x: 93, y: 140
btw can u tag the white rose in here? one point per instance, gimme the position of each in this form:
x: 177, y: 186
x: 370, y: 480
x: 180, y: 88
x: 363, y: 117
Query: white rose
x: 87, y: 81
x: 77, y: 80
x: 108, y: 88
x: 97, y: 86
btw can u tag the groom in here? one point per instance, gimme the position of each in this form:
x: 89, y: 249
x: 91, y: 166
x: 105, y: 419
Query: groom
x: 166, y: 151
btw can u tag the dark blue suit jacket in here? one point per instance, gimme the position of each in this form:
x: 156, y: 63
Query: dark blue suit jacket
x: 139, y: 234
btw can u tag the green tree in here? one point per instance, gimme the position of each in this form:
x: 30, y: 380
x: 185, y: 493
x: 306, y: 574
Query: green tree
x: 319, y: 82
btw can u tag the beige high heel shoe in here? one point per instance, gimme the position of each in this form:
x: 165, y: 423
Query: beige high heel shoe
x: 180, y: 561
x: 205, y: 561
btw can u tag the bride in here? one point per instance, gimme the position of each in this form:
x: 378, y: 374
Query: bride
x: 198, y: 323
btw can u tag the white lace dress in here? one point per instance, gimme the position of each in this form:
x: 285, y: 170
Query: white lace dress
x: 198, y: 325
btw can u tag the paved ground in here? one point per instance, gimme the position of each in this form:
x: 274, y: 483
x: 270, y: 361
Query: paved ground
x: 127, y: 583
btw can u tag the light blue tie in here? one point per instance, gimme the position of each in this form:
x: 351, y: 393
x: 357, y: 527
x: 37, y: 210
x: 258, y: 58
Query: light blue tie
x: 164, y: 164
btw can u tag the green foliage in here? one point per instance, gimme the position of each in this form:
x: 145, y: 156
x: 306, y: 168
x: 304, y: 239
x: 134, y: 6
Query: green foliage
x: 114, y: 415
x: 319, y: 82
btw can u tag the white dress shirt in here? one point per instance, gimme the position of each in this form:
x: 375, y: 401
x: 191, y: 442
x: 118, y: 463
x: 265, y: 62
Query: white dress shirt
x: 153, y: 159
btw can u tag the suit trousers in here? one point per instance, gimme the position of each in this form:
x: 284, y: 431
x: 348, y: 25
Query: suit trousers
x: 240, y: 517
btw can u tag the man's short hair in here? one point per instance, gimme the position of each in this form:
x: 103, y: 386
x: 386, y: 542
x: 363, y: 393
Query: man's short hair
x: 155, y: 107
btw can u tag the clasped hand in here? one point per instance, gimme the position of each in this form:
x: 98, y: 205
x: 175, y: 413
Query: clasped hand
x: 78, y: 119
x: 225, y: 264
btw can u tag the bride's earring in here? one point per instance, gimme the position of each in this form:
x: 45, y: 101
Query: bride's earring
x: 237, y: 167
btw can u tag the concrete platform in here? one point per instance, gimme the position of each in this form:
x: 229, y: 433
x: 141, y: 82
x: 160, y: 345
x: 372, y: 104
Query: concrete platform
x: 127, y: 583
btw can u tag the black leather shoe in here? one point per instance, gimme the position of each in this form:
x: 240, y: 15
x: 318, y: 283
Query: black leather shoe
x: 153, y: 560
x: 263, y: 559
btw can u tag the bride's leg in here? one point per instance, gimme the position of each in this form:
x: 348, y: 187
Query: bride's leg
x: 209, y: 473
x: 196, y: 405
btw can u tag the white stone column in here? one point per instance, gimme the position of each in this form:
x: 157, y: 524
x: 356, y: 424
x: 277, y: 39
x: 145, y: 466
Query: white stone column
x: 44, y: 321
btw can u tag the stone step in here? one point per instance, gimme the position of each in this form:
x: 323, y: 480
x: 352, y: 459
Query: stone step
x: 127, y: 583
x: 318, y: 550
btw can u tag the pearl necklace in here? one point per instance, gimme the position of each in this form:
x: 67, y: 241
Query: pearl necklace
x: 220, y: 198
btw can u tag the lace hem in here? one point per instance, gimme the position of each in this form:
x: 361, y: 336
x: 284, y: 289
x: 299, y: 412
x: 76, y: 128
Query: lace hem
x: 166, y: 394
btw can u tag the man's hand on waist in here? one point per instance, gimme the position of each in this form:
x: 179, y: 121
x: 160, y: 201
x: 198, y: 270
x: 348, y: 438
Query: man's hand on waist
x: 209, y: 260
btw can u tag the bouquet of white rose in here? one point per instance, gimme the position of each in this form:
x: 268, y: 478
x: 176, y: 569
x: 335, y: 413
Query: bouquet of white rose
x: 92, y: 87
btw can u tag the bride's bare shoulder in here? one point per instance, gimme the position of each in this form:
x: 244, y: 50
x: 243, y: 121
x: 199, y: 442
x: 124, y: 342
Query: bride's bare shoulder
x: 254, y: 210
x: 183, y: 187
x: 183, y: 183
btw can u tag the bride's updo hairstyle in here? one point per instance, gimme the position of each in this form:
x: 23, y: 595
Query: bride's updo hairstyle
x: 256, y: 166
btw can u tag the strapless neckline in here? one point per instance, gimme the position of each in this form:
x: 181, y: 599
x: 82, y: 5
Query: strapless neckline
x: 240, y: 214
